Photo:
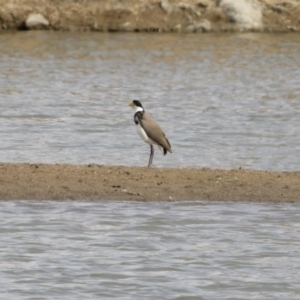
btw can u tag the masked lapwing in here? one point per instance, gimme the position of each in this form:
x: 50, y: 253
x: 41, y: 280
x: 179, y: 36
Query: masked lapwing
x: 149, y: 130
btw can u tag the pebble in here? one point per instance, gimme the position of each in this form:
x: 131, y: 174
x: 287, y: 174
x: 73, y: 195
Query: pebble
x: 203, y: 26
x: 36, y: 21
x: 166, y: 6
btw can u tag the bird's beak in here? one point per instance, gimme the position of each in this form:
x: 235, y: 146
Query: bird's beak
x: 131, y: 104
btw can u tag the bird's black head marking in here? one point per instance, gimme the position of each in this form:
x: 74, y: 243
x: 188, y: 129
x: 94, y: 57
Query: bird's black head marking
x: 137, y: 103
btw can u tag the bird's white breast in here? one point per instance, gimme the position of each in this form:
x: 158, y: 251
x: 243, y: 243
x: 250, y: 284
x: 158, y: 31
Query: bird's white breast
x: 141, y: 132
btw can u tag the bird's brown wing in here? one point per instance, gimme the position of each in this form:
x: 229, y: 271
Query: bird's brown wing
x: 154, y: 132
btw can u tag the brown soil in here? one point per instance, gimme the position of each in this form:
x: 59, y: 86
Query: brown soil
x: 143, y: 15
x: 96, y: 182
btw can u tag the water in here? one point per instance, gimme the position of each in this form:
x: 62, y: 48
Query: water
x: 130, y: 250
x: 224, y: 101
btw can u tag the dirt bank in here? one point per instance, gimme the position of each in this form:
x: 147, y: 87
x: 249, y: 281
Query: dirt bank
x: 152, y: 15
x: 60, y: 182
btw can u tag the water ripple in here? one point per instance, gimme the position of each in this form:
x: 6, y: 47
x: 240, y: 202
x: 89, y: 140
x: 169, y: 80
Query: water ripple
x: 224, y: 101
x: 130, y: 250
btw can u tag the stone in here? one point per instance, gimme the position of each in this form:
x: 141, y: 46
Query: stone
x: 203, y: 26
x: 186, y: 6
x: 126, y: 27
x: 283, y: 3
x: 247, y: 14
x: 192, y: 9
x: 204, y: 3
x: 190, y: 28
x: 177, y: 28
x: 166, y: 6
x: 35, y: 21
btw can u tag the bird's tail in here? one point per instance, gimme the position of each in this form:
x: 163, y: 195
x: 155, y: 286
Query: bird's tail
x: 166, y: 151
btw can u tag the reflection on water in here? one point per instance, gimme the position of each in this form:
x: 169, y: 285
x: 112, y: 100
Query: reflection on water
x: 224, y: 101
x: 129, y: 250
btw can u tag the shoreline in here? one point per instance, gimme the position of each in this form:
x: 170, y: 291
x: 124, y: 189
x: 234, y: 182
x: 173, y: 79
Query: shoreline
x: 178, y: 16
x: 24, y: 181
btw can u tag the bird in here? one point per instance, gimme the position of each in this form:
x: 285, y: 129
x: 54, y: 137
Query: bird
x: 149, y: 130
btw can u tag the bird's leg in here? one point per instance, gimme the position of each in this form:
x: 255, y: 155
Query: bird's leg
x: 151, y: 155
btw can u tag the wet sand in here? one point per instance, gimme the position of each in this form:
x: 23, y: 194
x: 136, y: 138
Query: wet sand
x: 96, y: 182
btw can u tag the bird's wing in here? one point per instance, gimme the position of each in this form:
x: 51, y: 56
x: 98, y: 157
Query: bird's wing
x: 154, y: 132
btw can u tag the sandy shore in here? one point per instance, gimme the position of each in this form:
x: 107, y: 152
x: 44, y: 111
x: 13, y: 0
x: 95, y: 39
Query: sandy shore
x: 151, y: 15
x: 96, y: 182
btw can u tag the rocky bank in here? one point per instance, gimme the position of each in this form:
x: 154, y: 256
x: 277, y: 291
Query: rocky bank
x: 188, y: 16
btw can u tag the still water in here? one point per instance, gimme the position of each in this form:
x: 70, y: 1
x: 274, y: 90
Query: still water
x: 130, y: 250
x: 224, y: 101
